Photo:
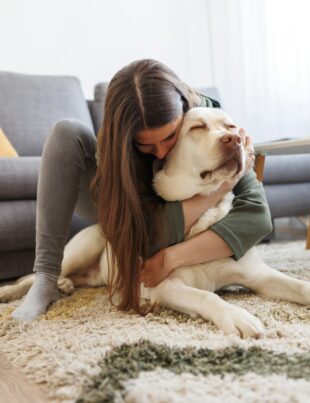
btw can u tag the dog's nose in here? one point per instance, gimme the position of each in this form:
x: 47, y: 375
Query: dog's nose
x: 231, y: 140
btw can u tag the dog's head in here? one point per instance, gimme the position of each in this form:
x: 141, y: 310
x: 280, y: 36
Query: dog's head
x: 209, y: 150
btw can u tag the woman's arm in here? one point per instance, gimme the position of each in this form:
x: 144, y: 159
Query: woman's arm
x: 249, y: 221
x: 245, y: 225
x: 191, y: 252
x: 194, y: 251
x: 176, y: 218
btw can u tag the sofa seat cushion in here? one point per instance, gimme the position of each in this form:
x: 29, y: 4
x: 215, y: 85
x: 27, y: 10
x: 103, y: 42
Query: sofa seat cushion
x: 287, y: 169
x: 16, y: 263
x: 19, y: 178
x: 18, y: 225
x: 288, y: 201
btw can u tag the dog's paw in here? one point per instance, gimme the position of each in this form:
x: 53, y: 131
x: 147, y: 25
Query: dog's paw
x: 225, y: 204
x: 208, y: 218
x: 8, y: 293
x: 66, y: 286
x: 304, y: 294
x: 196, y: 229
x: 236, y: 320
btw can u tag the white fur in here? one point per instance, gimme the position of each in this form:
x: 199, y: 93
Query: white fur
x: 188, y: 289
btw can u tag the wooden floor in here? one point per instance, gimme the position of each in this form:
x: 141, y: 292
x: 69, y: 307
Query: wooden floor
x: 16, y: 388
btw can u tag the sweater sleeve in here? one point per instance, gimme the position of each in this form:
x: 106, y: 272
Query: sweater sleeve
x: 249, y: 221
x: 209, y: 102
x: 171, y: 226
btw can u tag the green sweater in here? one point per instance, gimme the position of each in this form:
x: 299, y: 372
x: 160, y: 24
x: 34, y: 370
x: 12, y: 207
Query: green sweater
x: 247, y: 223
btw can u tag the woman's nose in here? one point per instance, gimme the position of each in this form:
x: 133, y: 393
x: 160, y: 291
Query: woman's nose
x: 160, y: 152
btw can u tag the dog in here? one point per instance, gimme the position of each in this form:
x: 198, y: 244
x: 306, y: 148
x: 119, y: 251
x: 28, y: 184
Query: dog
x: 208, y: 151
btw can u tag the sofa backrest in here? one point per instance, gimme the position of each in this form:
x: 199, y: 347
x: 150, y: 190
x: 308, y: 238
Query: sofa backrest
x: 97, y: 104
x: 30, y: 105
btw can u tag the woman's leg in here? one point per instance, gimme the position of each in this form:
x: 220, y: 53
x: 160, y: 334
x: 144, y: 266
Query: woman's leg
x: 67, y: 167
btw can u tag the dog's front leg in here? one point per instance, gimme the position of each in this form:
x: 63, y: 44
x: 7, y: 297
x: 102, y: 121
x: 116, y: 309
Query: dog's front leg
x: 211, y: 216
x: 272, y: 284
x: 175, y: 294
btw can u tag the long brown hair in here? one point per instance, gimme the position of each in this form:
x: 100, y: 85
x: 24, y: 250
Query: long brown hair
x: 143, y: 95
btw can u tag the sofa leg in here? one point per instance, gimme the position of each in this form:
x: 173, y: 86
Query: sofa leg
x: 308, y: 236
x: 259, y: 166
x: 305, y: 220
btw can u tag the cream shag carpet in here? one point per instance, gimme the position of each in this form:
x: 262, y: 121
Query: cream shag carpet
x: 83, y: 350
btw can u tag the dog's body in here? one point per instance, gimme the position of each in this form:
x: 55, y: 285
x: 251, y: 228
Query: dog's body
x: 208, y: 151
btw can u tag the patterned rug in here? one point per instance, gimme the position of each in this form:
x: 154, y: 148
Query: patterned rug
x: 83, y: 350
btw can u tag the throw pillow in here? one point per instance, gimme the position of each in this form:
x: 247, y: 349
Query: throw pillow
x: 6, y: 148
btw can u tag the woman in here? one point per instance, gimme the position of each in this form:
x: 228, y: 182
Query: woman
x: 143, y: 111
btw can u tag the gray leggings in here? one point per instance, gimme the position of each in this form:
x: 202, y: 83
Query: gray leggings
x: 67, y: 167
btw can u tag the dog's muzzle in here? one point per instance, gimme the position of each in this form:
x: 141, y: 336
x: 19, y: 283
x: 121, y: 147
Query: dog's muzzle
x: 232, y: 147
x: 233, y: 155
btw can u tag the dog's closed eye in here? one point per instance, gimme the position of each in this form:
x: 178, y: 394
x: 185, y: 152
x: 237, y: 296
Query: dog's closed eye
x: 230, y: 126
x: 204, y: 174
x: 201, y: 125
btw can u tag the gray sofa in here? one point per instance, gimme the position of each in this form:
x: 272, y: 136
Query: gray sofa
x: 287, y: 185
x: 30, y: 105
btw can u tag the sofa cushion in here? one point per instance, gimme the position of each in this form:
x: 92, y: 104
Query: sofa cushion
x: 19, y: 178
x: 6, y: 148
x: 16, y: 263
x: 287, y: 169
x: 17, y: 229
x: 30, y: 105
x: 288, y: 200
x: 18, y: 225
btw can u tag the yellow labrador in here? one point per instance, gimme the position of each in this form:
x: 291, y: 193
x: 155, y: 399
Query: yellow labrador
x: 208, y: 151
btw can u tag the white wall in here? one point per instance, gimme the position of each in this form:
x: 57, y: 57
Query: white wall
x: 255, y: 51
x: 92, y: 39
x: 261, y: 63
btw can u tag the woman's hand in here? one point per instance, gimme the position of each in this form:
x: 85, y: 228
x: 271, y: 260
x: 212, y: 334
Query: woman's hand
x: 155, y: 269
x: 249, y: 150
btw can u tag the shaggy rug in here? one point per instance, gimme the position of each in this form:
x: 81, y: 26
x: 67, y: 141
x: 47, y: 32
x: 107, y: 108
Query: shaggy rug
x: 84, y: 350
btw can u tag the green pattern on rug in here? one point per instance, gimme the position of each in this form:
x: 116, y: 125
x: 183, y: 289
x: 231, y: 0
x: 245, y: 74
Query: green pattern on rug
x: 127, y: 361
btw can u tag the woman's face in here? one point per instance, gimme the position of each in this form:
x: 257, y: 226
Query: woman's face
x: 159, y: 141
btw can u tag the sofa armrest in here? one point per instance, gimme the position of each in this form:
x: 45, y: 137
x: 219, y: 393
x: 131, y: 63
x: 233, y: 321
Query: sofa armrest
x: 284, y: 147
x: 287, y: 160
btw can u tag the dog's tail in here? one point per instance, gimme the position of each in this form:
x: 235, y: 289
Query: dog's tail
x: 82, y: 250
x: 18, y: 290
